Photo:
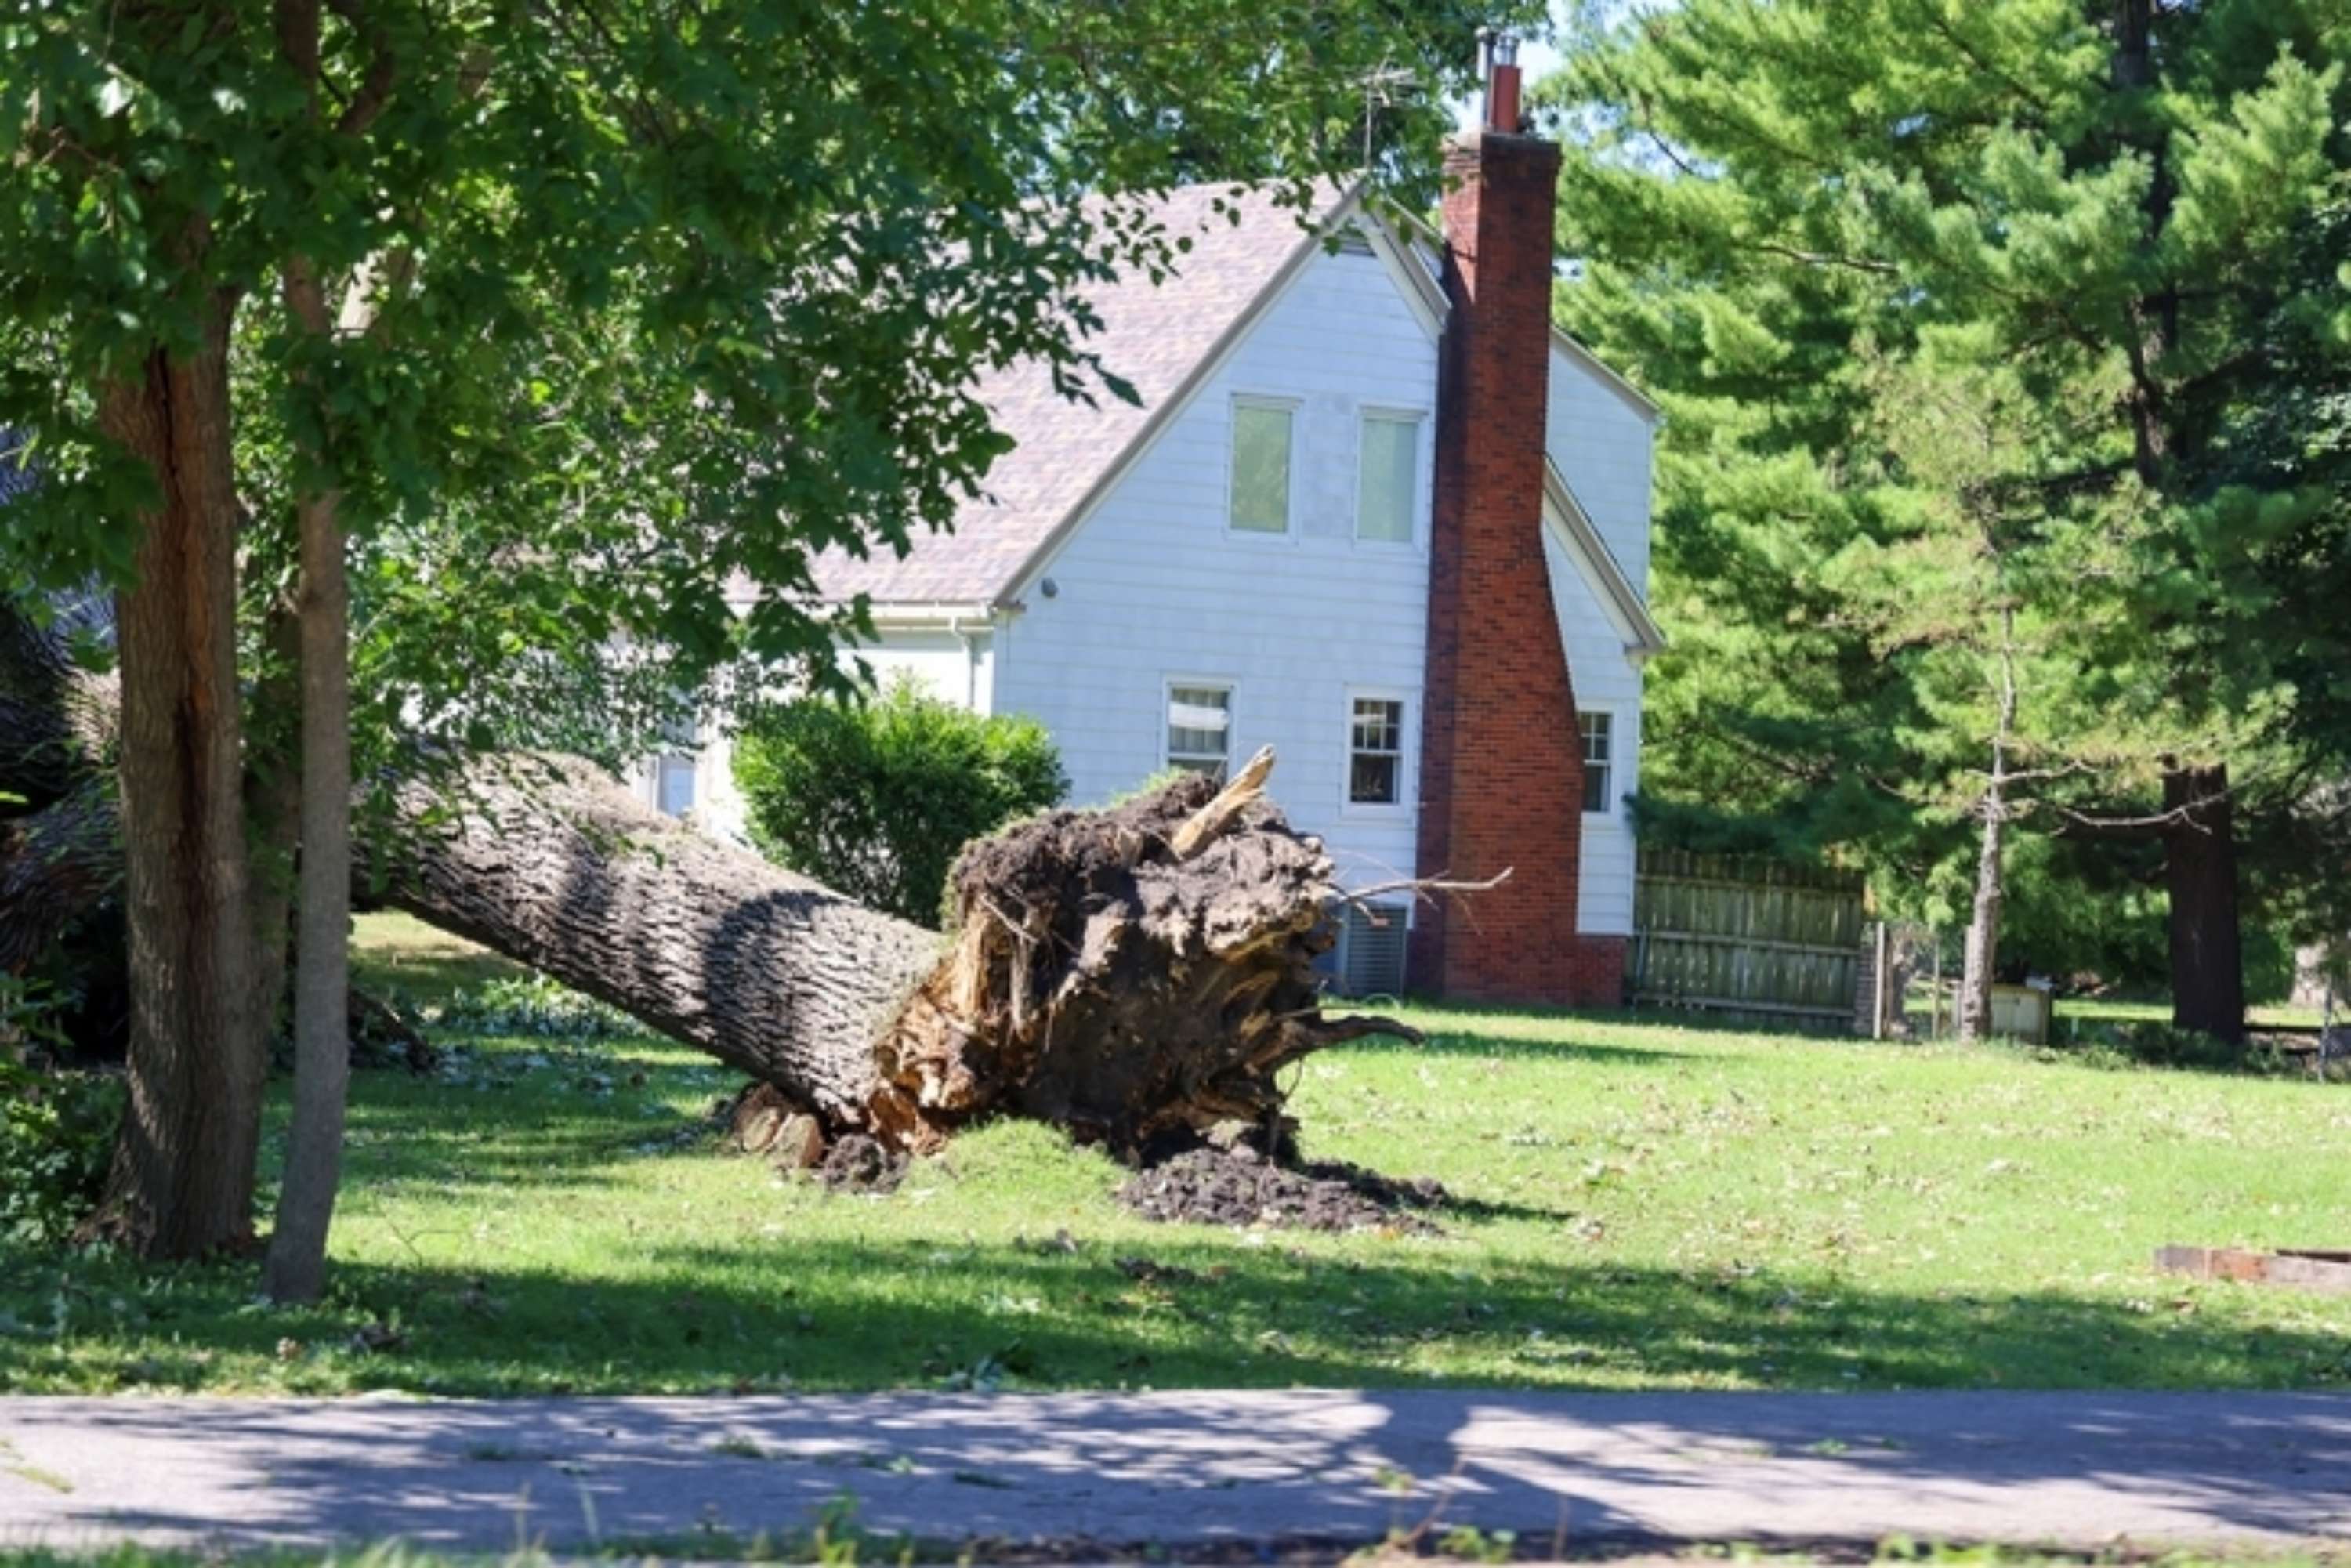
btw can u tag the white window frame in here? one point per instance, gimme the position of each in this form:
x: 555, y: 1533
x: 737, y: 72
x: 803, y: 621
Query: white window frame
x: 1288, y: 405
x: 1418, y: 418
x: 1167, y: 689
x: 682, y: 744
x: 1407, y: 752
x: 1607, y: 807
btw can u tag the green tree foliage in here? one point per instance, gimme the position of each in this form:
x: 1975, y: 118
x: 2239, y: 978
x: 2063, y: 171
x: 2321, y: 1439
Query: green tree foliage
x: 877, y: 797
x: 1808, y: 226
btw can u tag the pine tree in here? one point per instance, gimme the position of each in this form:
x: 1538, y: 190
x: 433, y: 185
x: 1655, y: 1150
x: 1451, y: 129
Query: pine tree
x: 2108, y: 202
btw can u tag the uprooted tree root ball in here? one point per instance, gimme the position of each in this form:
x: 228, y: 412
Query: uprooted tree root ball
x: 1137, y: 976
x: 1237, y: 1185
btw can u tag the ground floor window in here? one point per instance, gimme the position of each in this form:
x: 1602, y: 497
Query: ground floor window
x: 1200, y: 726
x: 1376, y: 751
x: 1599, y: 765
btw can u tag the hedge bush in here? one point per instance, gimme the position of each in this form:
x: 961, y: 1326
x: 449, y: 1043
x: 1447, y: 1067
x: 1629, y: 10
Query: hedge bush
x: 57, y: 1127
x: 876, y: 797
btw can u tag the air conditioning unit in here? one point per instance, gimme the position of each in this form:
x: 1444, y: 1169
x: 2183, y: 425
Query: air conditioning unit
x: 1371, y: 949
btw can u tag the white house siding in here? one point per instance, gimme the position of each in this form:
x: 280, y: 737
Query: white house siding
x: 947, y: 662
x: 1605, y: 681
x: 1154, y: 588
x: 1600, y: 440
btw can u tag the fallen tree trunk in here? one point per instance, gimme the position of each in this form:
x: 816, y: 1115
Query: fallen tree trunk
x: 1136, y: 974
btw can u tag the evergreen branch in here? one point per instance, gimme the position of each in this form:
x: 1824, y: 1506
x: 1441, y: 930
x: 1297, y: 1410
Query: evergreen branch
x: 1823, y: 258
x: 1942, y: 25
x: 2083, y: 824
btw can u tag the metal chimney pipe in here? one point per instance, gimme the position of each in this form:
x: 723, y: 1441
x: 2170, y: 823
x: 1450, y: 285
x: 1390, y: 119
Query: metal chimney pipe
x: 1500, y: 59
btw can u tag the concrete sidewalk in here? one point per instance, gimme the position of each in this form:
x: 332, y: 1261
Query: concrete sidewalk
x: 1188, y: 1470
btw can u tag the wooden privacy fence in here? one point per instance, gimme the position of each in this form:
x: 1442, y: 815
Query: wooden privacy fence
x: 1748, y: 938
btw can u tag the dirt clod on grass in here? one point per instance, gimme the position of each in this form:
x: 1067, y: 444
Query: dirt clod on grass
x: 1238, y: 1186
x: 858, y: 1164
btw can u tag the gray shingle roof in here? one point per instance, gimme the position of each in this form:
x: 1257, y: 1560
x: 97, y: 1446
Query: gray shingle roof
x: 1155, y: 336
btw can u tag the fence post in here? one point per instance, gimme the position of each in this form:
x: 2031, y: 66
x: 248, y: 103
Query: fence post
x: 1934, y: 984
x: 1877, y: 1014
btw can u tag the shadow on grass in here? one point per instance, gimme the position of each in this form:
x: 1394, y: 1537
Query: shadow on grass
x: 564, y: 1125
x: 901, y: 1315
x: 911, y: 1313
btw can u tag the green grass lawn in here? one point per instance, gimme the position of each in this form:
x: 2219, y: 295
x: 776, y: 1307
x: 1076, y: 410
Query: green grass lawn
x: 1644, y: 1205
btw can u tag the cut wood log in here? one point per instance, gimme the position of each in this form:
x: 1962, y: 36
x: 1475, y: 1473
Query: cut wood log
x: 1136, y: 974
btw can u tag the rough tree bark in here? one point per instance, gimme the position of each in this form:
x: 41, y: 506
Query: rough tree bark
x: 182, y: 1180
x: 1137, y: 975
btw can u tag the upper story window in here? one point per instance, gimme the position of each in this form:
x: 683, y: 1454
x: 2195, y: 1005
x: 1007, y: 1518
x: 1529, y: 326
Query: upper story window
x: 1599, y: 764
x: 1387, y: 487
x: 1200, y: 726
x: 1263, y: 431
x: 1376, y: 752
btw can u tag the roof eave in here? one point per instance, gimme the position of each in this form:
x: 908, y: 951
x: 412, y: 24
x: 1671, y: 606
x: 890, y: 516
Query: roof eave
x: 1642, y: 636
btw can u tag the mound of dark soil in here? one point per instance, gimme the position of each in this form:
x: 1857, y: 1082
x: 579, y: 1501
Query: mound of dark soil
x: 858, y: 1164
x: 1238, y: 1186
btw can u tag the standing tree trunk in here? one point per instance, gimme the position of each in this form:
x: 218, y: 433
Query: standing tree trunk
x: 1983, y: 923
x: 296, y: 1271
x: 2208, y: 968
x: 1983, y: 926
x: 2207, y: 983
x: 296, y: 1268
x: 182, y: 1185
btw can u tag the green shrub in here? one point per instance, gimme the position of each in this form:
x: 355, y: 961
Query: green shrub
x: 528, y: 1005
x: 876, y: 797
x: 57, y: 1128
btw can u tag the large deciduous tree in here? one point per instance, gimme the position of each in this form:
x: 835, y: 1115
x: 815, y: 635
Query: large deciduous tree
x: 553, y: 320
x: 2114, y: 200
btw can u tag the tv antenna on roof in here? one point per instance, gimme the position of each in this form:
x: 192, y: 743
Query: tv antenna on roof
x: 1381, y: 86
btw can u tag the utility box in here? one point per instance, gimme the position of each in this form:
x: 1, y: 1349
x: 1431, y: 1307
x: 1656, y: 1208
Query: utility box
x: 2021, y: 1012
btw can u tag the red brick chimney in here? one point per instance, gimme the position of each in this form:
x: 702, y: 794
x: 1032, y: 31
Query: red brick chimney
x: 1501, y: 772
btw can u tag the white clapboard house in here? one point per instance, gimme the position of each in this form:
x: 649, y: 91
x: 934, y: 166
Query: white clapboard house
x: 1372, y: 511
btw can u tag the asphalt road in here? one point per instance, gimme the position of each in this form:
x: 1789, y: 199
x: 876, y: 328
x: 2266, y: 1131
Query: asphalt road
x: 1188, y: 1470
